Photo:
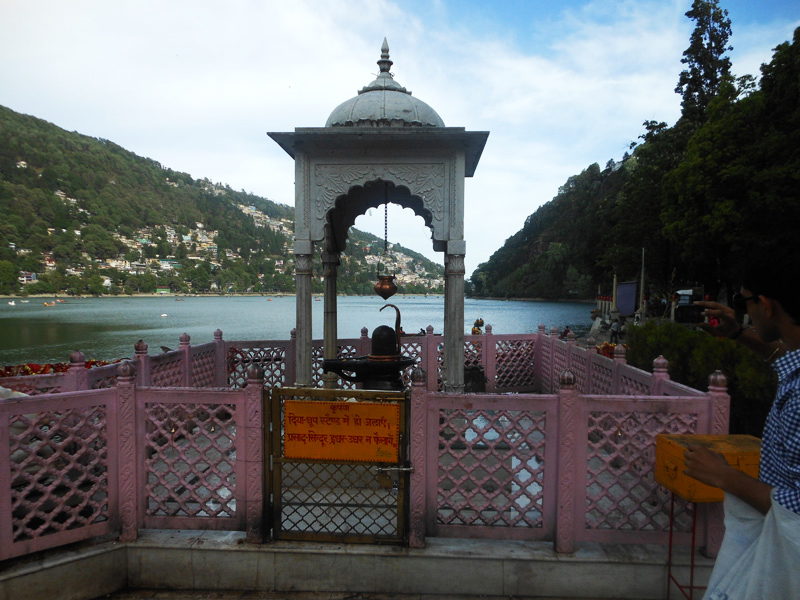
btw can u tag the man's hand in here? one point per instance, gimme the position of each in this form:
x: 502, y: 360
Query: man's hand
x: 728, y: 325
x: 711, y: 468
x: 706, y: 466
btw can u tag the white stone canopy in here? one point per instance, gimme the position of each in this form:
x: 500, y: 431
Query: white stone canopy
x: 381, y: 146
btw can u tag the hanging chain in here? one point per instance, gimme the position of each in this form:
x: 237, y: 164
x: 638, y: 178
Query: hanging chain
x: 385, y: 228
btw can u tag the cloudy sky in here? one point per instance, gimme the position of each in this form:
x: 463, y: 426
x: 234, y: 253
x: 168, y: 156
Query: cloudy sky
x: 196, y: 84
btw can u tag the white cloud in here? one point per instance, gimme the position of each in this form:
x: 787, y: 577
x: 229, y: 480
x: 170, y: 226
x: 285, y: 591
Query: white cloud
x: 197, y: 84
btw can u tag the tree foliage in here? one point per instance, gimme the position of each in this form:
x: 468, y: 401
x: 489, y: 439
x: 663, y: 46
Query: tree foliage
x: 703, y: 197
x: 707, y: 65
x: 69, y: 197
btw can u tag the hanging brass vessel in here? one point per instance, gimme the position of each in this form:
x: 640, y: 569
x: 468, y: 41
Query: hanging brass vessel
x: 386, y: 287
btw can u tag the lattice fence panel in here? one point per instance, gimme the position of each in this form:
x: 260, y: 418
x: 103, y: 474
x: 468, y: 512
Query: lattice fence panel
x: 59, y: 471
x: 632, y: 386
x: 166, y: 372
x: 516, y: 363
x: 547, y: 385
x: 473, y: 353
x: 412, y: 349
x: 101, y: 383
x: 35, y: 385
x: 190, y: 460
x: 602, y: 377
x: 559, y: 359
x: 203, y: 368
x: 345, y: 499
x: 491, y: 468
x: 621, y: 492
x: 272, y: 359
x: 578, y: 368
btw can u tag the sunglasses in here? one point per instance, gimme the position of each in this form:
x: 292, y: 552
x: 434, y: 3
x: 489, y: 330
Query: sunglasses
x: 740, y: 305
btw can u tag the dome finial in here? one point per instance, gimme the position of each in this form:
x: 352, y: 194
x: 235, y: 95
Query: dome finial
x: 384, y: 63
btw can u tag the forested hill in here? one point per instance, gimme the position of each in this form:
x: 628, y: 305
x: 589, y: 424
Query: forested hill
x: 704, y: 198
x: 84, y: 215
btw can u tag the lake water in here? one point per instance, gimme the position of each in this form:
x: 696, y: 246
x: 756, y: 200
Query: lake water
x: 108, y: 328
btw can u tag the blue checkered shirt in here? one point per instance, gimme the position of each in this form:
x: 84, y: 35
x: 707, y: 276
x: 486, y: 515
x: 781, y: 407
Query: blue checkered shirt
x: 780, y: 446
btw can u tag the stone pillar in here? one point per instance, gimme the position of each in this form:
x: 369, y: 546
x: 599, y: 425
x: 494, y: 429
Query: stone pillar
x: 330, y: 264
x: 186, y: 358
x: 126, y: 451
x: 255, y: 468
x: 303, y: 272
x: 77, y: 372
x: 568, y: 413
x: 454, y: 323
x: 419, y: 444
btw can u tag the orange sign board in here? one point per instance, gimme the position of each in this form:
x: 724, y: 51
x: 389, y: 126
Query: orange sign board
x: 355, y: 431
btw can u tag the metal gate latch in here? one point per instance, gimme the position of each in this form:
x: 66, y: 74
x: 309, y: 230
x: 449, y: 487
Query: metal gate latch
x: 393, y: 469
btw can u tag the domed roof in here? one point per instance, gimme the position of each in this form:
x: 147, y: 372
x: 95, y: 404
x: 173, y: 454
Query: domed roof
x: 384, y: 103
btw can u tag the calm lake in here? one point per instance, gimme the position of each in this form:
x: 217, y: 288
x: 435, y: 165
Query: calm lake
x: 108, y: 328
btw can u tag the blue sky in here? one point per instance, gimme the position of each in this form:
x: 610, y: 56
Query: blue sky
x: 196, y: 84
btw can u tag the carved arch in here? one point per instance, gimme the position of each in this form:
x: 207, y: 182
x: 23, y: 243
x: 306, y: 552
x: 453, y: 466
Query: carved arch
x: 422, y: 187
x: 359, y: 199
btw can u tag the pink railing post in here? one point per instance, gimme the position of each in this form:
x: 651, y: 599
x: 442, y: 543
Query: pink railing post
x: 255, y: 465
x: 568, y: 412
x: 142, y: 363
x: 490, y: 360
x: 186, y: 358
x: 539, y: 374
x: 659, y: 376
x: 127, y: 455
x: 220, y: 361
x: 431, y: 362
x: 418, y: 458
x: 364, y: 343
x: 619, y: 363
x: 78, y: 376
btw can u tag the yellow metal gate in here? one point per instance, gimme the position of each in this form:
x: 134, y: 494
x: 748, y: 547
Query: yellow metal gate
x: 339, y: 465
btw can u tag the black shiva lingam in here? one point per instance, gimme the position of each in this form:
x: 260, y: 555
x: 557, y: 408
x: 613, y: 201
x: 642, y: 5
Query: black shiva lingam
x: 381, y: 368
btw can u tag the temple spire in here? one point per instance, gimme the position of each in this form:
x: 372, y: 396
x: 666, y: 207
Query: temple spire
x: 384, y: 63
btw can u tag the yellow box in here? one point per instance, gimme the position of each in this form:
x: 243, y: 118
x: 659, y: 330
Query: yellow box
x: 741, y: 451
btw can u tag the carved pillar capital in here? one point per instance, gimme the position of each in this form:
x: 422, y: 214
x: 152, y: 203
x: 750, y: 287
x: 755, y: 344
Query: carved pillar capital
x: 303, y: 264
x: 454, y: 264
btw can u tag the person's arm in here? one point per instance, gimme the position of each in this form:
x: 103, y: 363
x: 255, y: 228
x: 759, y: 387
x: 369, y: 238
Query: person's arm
x: 712, y: 469
x: 730, y: 328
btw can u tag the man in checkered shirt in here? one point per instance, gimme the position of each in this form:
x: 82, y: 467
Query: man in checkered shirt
x: 760, y: 554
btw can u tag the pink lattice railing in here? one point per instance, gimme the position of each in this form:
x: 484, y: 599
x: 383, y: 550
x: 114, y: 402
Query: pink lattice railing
x: 489, y: 472
x: 167, y: 370
x: 570, y: 466
x: 621, y: 495
x: 515, y: 363
x: 192, y: 478
x: 38, y: 385
x: 272, y: 357
x: 202, y: 360
x: 60, y: 472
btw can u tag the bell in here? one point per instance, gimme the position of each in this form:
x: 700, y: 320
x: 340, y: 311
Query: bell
x: 386, y: 287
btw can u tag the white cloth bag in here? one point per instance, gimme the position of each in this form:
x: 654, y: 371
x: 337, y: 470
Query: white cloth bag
x: 760, y: 554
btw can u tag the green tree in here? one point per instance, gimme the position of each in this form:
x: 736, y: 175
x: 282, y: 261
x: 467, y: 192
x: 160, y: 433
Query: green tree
x: 8, y: 277
x: 707, y: 65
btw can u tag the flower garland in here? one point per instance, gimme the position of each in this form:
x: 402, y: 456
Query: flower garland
x: 607, y: 349
x: 47, y: 368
